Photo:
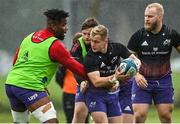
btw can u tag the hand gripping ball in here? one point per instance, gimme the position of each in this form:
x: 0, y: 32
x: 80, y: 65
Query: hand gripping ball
x: 128, y: 66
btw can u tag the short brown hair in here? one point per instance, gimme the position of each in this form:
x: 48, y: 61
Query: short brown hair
x: 89, y: 23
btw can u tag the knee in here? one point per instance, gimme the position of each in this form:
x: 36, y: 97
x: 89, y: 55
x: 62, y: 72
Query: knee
x: 81, y: 113
x: 165, y: 117
x: 20, y: 117
x: 46, y: 113
x: 140, y: 117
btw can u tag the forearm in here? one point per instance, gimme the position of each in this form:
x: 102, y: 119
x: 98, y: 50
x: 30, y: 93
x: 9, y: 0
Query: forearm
x: 101, y: 81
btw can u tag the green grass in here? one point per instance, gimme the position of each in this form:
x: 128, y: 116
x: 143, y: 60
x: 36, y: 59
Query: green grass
x: 55, y: 95
x: 5, y: 114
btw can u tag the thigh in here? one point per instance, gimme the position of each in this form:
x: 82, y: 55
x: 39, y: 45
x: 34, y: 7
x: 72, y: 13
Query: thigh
x: 95, y: 103
x: 127, y: 118
x: 163, y: 90
x: 80, y: 97
x: 140, y: 95
x: 99, y: 117
x: 125, y: 101
x: 164, y: 109
x: 24, y: 97
x: 163, y: 94
x: 140, y: 109
x: 113, y: 105
x: 80, y: 112
x: 80, y: 107
x: 116, y: 119
x: 126, y: 106
x: 15, y: 102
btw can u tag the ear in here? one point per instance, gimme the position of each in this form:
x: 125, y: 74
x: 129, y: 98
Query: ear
x: 106, y: 39
x: 53, y: 27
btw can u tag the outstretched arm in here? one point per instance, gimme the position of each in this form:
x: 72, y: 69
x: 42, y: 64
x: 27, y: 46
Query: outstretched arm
x: 60, y: 54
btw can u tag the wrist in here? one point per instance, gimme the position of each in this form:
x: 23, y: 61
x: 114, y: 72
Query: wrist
x: 113, y: 79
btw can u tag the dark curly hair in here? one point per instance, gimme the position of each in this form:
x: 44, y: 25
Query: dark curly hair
x: 56, y: 14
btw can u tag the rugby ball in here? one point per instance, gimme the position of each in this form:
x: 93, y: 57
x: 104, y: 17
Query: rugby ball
x: 128, y: 66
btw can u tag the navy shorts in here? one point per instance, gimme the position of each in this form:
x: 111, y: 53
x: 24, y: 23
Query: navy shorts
x: 79, y: 95
x: 22, y: 98
x: 159, y: 91
x: 104, y: 102
x: 125, y: 97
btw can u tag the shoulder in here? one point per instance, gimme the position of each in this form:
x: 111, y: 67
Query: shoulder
x: 169, y: 31
x: 91, y: 60
x: 137, y: 36
x: 115, y: 45
x: 57, y: 43
x: 91, y: 56
x: 75, y: 47
x: 140, y: 32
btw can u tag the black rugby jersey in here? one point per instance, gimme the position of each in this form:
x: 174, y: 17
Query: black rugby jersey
x: 106, y: 63
x: 154, y: 50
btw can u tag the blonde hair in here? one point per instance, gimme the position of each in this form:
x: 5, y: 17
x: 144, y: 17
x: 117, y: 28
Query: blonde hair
x: 158, y: 6
x: 99, y: 30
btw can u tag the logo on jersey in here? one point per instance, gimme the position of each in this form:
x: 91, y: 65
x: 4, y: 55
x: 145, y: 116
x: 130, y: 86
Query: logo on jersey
x: 34, y: 96
x: 144, y: 43
x: 25, y: 56
x: 127, y: 108
x: 102, y: 64
x: 155, y: 48
x: 114, y: 59
x: 167, y: 42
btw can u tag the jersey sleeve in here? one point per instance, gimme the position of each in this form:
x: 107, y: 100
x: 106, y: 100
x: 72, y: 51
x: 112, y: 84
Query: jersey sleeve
x: 175, y: 38
x: 124, y: 52
x: 91, y: 63
x: 133, y: 42
x: 60, y: 54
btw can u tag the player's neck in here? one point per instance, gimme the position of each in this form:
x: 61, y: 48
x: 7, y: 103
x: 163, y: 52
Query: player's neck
x: 157, y: 29
x: 105, y: 49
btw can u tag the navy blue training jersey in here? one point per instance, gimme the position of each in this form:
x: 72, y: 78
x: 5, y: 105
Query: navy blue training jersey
x: 154, y: 50
x: 106, y: 63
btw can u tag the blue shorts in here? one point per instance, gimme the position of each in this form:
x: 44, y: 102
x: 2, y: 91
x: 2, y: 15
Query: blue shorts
x: 21, y: 98
x: 104, y: 102
x: 125, y: 97
x: 80, y: 97
x: 159, y: 91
